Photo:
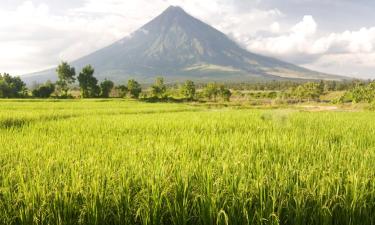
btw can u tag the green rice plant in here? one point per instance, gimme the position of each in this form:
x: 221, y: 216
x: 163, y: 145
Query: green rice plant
x: 126, y: 162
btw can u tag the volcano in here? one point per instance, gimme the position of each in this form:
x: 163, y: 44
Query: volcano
x: 178, y: 46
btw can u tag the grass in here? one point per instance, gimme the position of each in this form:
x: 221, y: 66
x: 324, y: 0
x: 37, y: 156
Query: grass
x: 122, y: 162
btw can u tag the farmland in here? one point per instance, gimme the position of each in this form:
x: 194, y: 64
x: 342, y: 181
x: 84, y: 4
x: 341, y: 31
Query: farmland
x: 127, y: 162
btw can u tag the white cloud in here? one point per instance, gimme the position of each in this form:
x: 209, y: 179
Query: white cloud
x: 352, y: 64
x: 33, y: 39
x: 297, y: 40
x: 275, y: 27
x: 347, y: 52
x: 306, y: 27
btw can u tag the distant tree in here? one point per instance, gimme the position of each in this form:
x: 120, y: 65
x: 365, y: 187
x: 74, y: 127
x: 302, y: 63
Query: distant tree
x: 188, y: 90
x: 121, y: 90
x: 361, y: 93
x: 321, y: 87
x: 66, y: 76
x: 312, y: 90
x: 298, y: 93
x: 4, y: 89
x: 106, y: 87
x: 159, y: 88
x: 134, y: 89
x: 88, y: 83
x: 309, y: 91
x: 12, y: 87
x: 211, y: 91
x: 225, y: 93
x: 44, y: 91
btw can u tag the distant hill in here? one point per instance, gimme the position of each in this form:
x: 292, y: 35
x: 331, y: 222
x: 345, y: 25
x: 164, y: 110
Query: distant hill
x: 179, y: 47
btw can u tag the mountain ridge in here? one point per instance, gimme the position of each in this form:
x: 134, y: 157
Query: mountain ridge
x: 179, y: 47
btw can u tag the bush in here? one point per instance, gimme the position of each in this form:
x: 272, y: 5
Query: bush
x: 372, y: 107
x: 44, y: 91
x: 12, y: 87
x: 361, y: 93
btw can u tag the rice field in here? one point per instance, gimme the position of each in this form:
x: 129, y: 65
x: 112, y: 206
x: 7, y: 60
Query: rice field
x: 123, y: 162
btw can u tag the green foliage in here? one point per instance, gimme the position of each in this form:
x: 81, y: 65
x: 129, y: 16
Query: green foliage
x: 66, y: 76
x: 88, y: 83
x: 44, y: 91
x: 125, y: 162
x: 263, y: 95
x: 134, y: 89
x: 321, y: 88
x: 372, y: 106
x: 4, y: 88
x: 308, y: 91
x: 188, y: 90
x: 106, y: 87
x: 121, y: 90
x: 326, y: 85
x: 159, y: 88
x: 225, y: 93
x: 12, y: 87
x: 360, y: 93
x: 211, y: 91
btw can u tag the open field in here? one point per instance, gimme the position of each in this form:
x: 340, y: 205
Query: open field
x: 124, y: 162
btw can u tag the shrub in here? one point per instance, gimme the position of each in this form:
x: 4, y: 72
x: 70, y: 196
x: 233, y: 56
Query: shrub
x: 44, y: 91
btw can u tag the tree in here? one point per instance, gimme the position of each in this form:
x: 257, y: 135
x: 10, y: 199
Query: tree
x: 134, y: 89
x: 159, y: 88
x: 211, y: 91
x: 121, y: 90
x: 321, y: 87
x: 44, y: 91
x: 312, y: 91
x: 188, y: 90
x: 66, y: 76
x: 361, y: 93
x: 88, y: 83
x: 225, y: 93
x: 4, y: 89
x: 370, y: 97
x: 12, y: 87
x: 309, y: 91
x: 106, y: 87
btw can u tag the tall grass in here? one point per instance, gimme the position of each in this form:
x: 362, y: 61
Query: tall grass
x: 116, y: 162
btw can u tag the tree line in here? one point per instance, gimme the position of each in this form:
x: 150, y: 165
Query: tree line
x: 89, y: 87
x: 360, y: 93
x: 285, y: 85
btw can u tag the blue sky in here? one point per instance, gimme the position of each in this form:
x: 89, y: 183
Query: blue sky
x: 333, y: 36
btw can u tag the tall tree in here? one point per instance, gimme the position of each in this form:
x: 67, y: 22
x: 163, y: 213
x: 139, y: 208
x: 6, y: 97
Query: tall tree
x: 159, y: 88
x: 66, y: 76
x: 188, y: 90
x: 4, y: 89
x: 321, y: 87
x: 211, y: 91
x: 88, y: 83
x: 106, y: 87
x: 134, y: 89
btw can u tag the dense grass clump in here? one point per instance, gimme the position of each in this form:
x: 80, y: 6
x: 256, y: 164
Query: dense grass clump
x: 121, y: 162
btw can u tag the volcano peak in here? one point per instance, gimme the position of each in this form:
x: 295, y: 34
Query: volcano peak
x: 179, y: 47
